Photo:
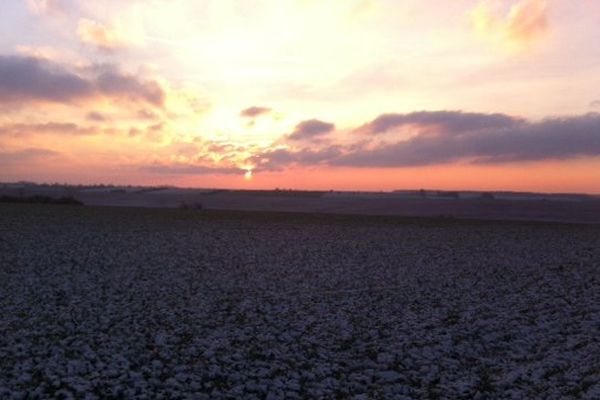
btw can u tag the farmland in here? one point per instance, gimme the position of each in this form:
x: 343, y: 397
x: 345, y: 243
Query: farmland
x: 100, y: 302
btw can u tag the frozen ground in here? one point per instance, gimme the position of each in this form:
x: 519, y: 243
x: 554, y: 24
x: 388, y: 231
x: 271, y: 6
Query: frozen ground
x: 575, y: 208
x: 160, y: 303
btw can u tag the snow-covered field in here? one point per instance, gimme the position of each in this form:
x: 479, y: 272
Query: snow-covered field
x: 160, y: 303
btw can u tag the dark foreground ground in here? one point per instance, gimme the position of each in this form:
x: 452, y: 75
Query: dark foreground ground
x: 160, y: 303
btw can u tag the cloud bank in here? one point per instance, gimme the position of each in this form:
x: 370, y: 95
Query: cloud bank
x: 450, y: 122
x: 62, y: 128
x: 31, y: 154
x: 189, y: 169
x: 455, y: 137
x: 28, y: 79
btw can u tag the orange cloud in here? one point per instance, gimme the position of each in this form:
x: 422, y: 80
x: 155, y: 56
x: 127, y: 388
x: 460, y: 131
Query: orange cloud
x: 100, y: 36
x: 528, y: 20
x: 524, y: 22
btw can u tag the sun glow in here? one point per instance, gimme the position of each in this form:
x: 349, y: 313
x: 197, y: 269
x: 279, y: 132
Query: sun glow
x: 204, y: 93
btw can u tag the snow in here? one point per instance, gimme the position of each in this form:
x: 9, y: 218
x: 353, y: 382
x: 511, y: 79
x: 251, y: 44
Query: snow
x: 98, y: 303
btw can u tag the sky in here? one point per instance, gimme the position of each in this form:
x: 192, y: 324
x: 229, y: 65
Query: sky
x: 302, y: 94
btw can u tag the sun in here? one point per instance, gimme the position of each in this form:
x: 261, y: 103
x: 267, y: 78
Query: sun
x: 248, y: 175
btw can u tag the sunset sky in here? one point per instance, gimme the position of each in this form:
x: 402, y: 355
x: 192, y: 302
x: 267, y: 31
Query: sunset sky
x: 306, y: 94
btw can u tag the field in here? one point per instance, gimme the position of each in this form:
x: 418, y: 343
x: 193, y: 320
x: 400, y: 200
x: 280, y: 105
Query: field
x: 571, y: 208
x: 166, y: 303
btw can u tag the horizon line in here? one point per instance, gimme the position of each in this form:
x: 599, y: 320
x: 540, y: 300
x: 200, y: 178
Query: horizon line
x: 67, y: 184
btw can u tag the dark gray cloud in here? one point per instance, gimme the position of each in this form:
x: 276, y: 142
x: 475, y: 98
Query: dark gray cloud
x: 27, y: 78
x: 253, y: 112
x: 311, y: 129
x: 24, y: 79
x: 188, y: 169
x: 278, y: 159
x: 550, y: 139
x: 450, y: 122
x: 521, y: 141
